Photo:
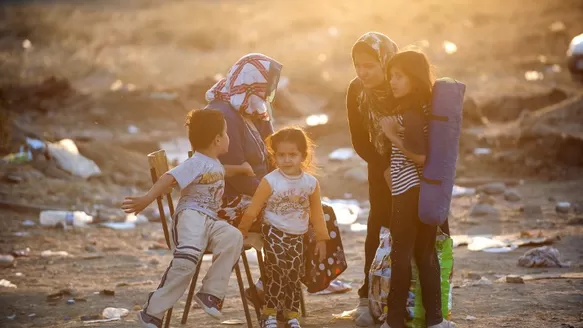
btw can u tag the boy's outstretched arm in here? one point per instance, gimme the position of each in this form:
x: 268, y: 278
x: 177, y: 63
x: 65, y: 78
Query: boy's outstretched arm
x: 139, y: 203
x: 259, y: 198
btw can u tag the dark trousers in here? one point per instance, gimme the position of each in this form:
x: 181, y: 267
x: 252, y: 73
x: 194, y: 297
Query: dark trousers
x: 412, y: 239
x: 380, y: 214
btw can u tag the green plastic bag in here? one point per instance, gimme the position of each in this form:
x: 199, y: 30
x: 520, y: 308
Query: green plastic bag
x: 380, y: 281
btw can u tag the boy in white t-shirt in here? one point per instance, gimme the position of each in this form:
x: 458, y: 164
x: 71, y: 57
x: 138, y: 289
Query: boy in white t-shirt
x: 195, y: 226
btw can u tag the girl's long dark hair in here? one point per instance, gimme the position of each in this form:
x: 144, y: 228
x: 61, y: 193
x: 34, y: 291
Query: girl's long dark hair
x: 416, y: 66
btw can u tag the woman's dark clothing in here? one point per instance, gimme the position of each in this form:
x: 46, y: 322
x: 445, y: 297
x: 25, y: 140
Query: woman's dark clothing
x: 244, y: 148
x: 379, y: 193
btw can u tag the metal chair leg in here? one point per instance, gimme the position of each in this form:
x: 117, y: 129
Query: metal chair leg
x: 243, y: 298
x: 191, y: 292
x: 252, y: 286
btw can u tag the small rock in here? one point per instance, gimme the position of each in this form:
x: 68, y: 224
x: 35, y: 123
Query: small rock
x: 486, y: 199
x: 7, y: 284
x: 483, y: 210
x: 563, y: 207
x: 154, y: 262
x: 531, y: 209
x: 494, y: 188
x: 91, y: 249
x: 6, y: 261
x: 21, y: 252
x: 470, y: 318
x: 107, y: 292
x: 512, y: 195
x: 358, y: 174
x: 514, y: 279
x: 575, y: 221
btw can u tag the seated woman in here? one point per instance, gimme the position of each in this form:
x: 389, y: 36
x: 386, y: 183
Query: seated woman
x: 244, y: 97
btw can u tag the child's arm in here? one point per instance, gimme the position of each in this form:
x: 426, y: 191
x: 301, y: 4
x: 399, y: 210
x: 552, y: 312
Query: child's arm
x: 259, y: 198
x: 317, y: 215
x: 318, y: 223
x: 139, y: 203
x: 243, y: 169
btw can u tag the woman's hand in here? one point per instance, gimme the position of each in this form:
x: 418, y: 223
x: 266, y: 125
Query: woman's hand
x: 135, y: 204
x: 391, y: 127
x: 320, y: 250
x: 246, y: 169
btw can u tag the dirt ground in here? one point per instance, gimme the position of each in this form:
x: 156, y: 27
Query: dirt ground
x: 162, y: 56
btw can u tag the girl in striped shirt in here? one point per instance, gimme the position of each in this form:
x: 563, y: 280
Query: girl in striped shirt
x: 411, y: 83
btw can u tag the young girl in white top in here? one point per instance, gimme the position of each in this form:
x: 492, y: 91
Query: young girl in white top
x: 291, y: 198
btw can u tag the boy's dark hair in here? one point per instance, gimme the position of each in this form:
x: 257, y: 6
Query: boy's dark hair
x: 417, y: 67
x: 298, y: 137
x: 203, y: 127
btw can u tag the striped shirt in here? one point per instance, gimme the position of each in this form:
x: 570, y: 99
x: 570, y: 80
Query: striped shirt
x: 405, y: 174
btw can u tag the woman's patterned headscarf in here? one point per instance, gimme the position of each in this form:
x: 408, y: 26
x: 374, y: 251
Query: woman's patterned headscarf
x: 375, y: 103
x: 253, y: 74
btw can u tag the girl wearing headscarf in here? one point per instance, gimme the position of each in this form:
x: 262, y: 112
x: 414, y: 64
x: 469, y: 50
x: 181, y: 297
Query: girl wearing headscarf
x: 368, y: 100
x: 244, y: 97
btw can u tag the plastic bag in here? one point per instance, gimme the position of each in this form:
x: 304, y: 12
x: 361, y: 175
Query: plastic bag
x: 380, y: 281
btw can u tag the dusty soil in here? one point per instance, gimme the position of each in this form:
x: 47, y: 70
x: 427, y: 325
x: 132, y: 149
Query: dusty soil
x: 178, y: 47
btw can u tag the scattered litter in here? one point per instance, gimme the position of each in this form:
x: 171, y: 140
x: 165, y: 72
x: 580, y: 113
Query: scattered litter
x: 59, y: 295
x: 449, y: 47
x: 50, y: 253
x: 482, y: 151
x: 358, y: 227
x: 6, y: 261
x: 482, y: 282
x: 534, y: 76
x: 335, y: 287
x: 107, y: 292
x: 314, y: 120
x: 341, y: 154
x: 541, y: 276
x: 65, y: 218
x: 28, y: 223
x: 71, y: 301
x: 563, y: 207
x: 21, y: 252
x: 118, y: 85
x: 350, y: 314
x: 463, y: 191
x: 7, y: 284
x: 119, y: 225
x: 346, y: 210
x: 483, y: 243
x: 26, y: 44
x: 32, y: 315
x: 21, y: 234
x: 470, y: 318
x: 112, y: 313
x: 68, y: 158
x: 132, y: 129
x: 232, y: 322
x: 19, y: 274
x: 35, y: 144
x: 136, y: 219
x: 23, y: 156
x: 542, y: 257
x: 11, y: 317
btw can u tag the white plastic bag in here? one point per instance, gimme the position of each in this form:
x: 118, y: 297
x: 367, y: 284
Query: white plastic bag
x: 67, y: 156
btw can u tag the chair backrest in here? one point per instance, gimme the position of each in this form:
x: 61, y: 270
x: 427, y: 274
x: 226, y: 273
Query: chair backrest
x: 158, y: 166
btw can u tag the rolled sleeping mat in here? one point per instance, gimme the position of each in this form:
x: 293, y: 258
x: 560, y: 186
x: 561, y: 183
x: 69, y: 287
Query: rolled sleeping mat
x: 445, y: 123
